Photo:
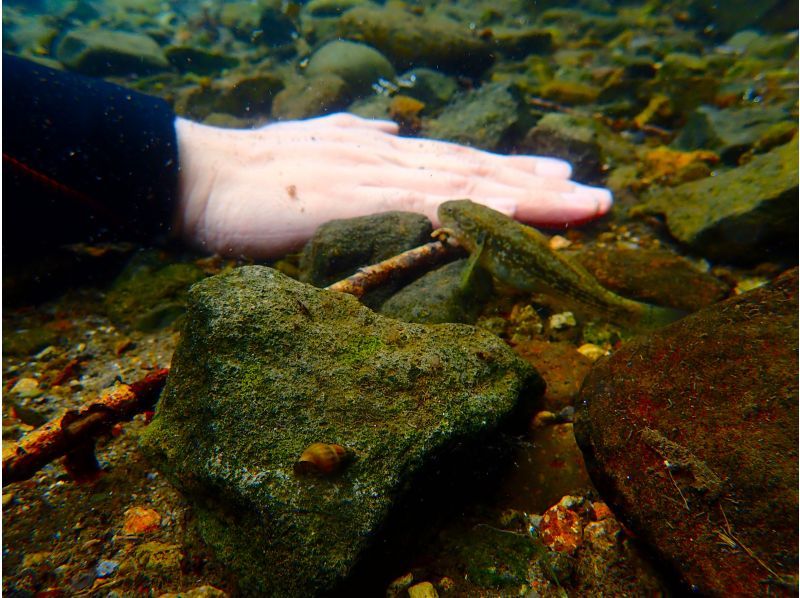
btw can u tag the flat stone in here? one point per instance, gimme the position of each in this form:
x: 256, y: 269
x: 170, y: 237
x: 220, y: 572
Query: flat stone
x: 691, y: 437
x: 101, y: 52
x: 267, y: 366
x: 738, y: 214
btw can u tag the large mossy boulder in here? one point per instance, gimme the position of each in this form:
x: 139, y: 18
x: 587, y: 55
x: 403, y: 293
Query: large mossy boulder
x: 691, y: 436
x: 266, y: 367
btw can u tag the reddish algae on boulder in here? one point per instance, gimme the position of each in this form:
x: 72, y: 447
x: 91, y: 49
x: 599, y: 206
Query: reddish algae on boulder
x: 691, y: 436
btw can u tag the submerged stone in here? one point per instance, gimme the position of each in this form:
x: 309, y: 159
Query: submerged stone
x: 358, y: 64
x: 101, y: 53
x: 266, y: 367
x: 409, y: 40
x: 441, y: 296
x: 691, y: 436
x: 738, y: 214
x: 340, y: 247
x: 487, y: 118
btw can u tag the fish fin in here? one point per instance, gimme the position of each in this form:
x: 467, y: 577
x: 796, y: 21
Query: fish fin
x: 472, y: 263
x: 656, y: 316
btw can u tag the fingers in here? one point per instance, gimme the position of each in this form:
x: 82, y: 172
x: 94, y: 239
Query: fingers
x: 351, y: 121
x: 563, y: 209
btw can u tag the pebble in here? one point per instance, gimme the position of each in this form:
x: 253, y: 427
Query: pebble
x: 424, y: 589
x: 7, y: 498
x: 561, y: 320
x: 558, y: 242
x: 139, y: 520
x: 26, y: 388
x: 592, y: 351
x: 106, y: 568
x: 562, y: 529
x: 399, y: 585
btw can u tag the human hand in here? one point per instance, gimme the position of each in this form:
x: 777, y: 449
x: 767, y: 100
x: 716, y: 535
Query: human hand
x: 263, y: 192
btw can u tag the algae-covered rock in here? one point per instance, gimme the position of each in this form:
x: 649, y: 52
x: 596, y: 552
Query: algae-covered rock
x: 340, y: 247
x: 429, y: 86
x: 487, y: 118
x: 266, y: 367
x: 358, y: 64
x: 571, y: 138
x: 188, y: 59
x: 737, y: 214
x: 306, y: 97
x: 101, y: 52
x: 441, y: 296
x: 150, y: 294
x: 728, y: 132
x: 691, y: 436
x: 410, y: 40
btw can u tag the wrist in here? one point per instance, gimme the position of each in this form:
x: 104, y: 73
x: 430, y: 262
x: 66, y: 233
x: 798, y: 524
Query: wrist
x: 193, y: 187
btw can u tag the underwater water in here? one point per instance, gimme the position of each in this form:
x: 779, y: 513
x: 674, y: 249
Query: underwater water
x: 606, y: 407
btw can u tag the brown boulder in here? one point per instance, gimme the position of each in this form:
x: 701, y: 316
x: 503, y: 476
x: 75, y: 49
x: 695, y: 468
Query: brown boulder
x: 691, y: 435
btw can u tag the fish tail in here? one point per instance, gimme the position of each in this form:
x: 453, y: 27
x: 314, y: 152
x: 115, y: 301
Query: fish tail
x: 656, y: 316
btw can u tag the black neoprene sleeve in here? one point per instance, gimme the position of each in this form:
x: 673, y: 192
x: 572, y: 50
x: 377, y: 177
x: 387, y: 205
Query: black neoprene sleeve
x: 83, y: 160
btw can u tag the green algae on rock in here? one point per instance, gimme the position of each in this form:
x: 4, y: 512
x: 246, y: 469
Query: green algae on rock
x: 340, y: 247
x: 442, y: 296
x: 267, y: 366
x: 150, y: 294
x: 736, y: 214
x: 691, y: 435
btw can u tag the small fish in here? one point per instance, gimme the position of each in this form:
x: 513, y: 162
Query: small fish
x: 520, y: 256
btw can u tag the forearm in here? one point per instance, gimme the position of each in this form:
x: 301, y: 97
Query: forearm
x: 84, y: 159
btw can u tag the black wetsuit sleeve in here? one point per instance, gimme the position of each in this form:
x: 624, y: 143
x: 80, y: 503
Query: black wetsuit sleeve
x: 83, y: 160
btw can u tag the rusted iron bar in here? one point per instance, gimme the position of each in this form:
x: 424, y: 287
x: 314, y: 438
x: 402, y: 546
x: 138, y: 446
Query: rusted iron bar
x: 73, y: 434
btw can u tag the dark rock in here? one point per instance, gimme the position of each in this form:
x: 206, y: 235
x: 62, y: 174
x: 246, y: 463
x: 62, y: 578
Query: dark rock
x: 340, y: 247
x: 250, y: 96
x: 738, y: 214
x: 267, y: 366
x: 730, y: 132
x: 687, y: 80
x: 410, y: 40
x: 570, y: 138
x: 517, y: 44
x: 201, y: 62
x: 101, y: 53
x: 441, y: 296
x: 150, y: 294
x: 358, y: 64
x: 654, y: 276
x: 751, y: 43
x: 488, y: 118
x: 691, y: 436
x: 258, y: 22
x: 304, y: 98
x: 428, y: 86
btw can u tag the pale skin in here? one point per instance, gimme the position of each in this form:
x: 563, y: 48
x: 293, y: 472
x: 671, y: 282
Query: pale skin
x: 263, y: 192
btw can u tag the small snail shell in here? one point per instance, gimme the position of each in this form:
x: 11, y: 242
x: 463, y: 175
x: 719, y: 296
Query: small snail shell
x: 321, y: 458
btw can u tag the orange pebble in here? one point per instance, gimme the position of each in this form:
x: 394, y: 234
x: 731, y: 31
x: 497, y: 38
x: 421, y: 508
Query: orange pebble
x: 139, y: 520
x: 601, y: 511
